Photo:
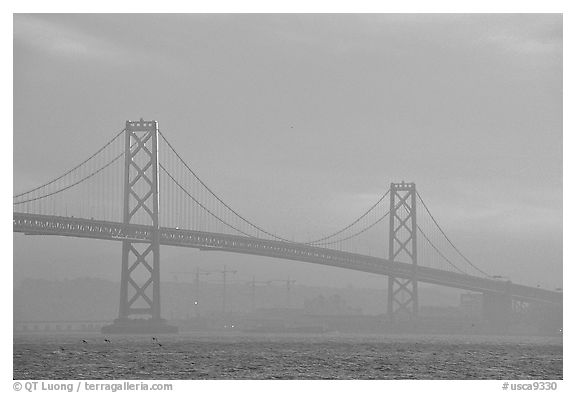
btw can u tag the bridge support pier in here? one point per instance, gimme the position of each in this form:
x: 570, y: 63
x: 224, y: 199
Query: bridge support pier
x: 140, y: 276
x: 403, y: 292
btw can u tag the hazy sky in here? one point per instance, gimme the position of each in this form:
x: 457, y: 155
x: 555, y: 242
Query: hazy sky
x: 300, y: 122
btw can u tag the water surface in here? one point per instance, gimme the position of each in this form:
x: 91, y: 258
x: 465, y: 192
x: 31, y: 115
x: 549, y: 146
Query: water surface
x: 244, y: 356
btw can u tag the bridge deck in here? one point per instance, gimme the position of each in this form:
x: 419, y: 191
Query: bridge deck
x: 35, y: 224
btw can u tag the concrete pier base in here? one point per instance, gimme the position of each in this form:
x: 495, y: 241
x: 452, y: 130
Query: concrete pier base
x: 139, y: 326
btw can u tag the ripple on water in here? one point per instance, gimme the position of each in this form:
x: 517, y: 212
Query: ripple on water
x: 287, y: 357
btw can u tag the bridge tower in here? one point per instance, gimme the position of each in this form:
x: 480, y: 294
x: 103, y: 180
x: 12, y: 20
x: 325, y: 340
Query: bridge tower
x: 402, y: 246
x: 139, y: 310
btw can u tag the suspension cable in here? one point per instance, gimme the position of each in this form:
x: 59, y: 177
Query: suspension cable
x: 249, y: 222
x: 434, y: 247
x: 73, y: 184
x: 246, y: 234
x: 449, y: 241
x: 73, y: 169
x: 219, y: 199
x: 200, y: 204
x: 439, y: 252
x: 356, y: 234
x: 353, y: 223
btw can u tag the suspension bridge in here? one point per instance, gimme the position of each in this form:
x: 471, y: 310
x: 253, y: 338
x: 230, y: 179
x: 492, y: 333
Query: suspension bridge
x: 138, y: 190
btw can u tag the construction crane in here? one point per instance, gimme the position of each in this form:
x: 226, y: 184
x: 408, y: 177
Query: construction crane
x: 224, y: 273
x: 197, y: 273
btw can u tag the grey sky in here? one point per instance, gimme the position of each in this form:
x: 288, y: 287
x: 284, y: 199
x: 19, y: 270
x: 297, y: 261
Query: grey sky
x: 301, y: 121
